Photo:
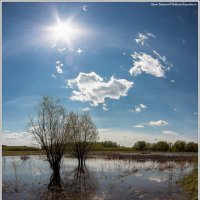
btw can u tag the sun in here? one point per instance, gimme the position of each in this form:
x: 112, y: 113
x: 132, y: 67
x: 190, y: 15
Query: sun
x: 64, y: 31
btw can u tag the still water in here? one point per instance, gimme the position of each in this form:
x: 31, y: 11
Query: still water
x: 27, y: 178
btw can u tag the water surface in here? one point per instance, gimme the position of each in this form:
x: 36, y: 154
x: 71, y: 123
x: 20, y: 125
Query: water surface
x: 102, y: 179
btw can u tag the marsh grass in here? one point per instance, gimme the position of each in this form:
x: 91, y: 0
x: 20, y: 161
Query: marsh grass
x: 190, y: 183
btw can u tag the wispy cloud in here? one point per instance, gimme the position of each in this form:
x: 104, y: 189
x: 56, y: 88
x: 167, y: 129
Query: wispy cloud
x: 92, y: 88
x: 163, y: 58
x: 61, y: 49
x: 129, y: 137
x: 53, y: 76
x: 169, y: 133
x: 139, y: 108
x: 105, y: 107
x: 17, y: 138
x: 139, y: 126
x: 172, y: 81
x: 152, y: 123
x: 84, y: 8
x: 142, y: 38
x: 146, y: 63
x: 85, y: 109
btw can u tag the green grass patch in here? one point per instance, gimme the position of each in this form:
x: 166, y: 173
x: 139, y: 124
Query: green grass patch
x: 190, y: 183
x: 21, y: 153
x: 19, y: 148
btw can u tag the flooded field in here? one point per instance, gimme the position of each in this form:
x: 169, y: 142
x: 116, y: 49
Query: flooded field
x: 29, y: 177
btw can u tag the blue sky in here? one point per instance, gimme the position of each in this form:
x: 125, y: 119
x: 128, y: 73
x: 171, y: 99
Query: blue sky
x: 132, y: 65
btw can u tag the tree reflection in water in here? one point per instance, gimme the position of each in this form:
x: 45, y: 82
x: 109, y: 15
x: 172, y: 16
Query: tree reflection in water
x: 79, y: 184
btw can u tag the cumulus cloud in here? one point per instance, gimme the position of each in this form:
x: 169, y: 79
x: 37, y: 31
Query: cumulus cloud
x: 85, y: 109
x: 142, y: 38
x: 146, y: 63
x: 169, y: 133
x: 92, y: 88
x: 157, y: 123
x: 139, y: 108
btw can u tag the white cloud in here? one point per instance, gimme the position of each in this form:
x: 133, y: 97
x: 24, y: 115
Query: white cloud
x: 92, y: 88
x: 123, y: 68
x: 139, y: 108
x: 53, y: 75
x: 169, y: 133
x: 151, y: 35
x: 85, y: 109
x: 59, y: 67
x: 142, y: 38
x: 163, y: 58
x: 172, y: 81
x: 145, y: 63
x: 53, y: 45
x: 79, y: 51
x: 157, y: 123
x: 17, y: 138
x: 59, y: 70
x: 129, y: 137
x: 139, y: 126
x: 7, y: 131
x: 152, y: 123
x: 84, y: 8
x: 61, y: 49
x: 105, y: 107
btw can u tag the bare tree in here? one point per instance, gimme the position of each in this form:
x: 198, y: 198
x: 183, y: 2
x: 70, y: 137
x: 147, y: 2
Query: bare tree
x: 83, y: 133
x: 50, y: 132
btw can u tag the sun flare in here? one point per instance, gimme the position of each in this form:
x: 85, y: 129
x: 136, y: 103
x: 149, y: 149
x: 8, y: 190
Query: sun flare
x: 64, y: 31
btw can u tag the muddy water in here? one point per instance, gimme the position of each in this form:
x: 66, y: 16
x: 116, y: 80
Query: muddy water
x: 101, y: 179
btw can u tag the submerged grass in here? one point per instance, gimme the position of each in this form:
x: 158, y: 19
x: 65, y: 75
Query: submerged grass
x: 190, y: 183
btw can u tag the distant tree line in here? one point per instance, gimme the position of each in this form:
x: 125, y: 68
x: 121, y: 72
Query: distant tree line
x: 178, y: 146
